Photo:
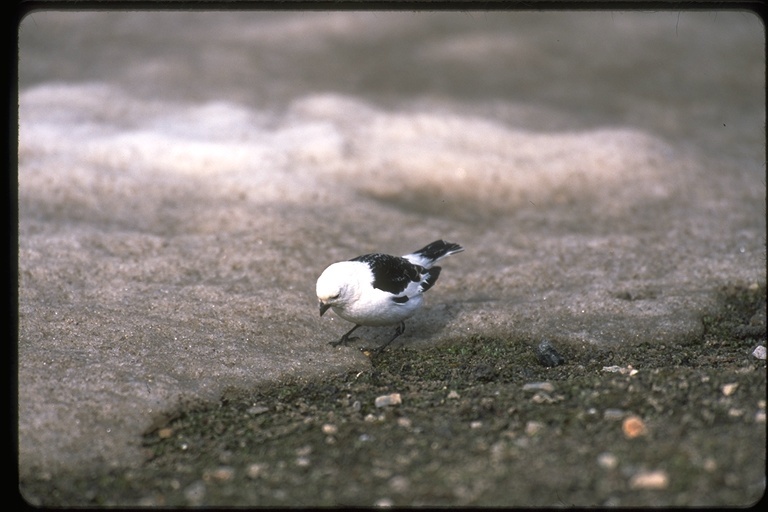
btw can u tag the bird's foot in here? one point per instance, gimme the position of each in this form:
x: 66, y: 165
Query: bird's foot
x: 343, y: 341
x: 346, y: 338
x: 398, y: 331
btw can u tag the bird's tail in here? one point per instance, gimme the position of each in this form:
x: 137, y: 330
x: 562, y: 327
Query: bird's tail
x: 437, y: 250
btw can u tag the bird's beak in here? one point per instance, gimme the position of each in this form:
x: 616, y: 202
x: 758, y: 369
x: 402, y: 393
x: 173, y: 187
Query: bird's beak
x: 324, y: 307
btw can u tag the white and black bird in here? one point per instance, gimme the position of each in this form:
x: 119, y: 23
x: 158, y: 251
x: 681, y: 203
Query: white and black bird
x: 380, y: 289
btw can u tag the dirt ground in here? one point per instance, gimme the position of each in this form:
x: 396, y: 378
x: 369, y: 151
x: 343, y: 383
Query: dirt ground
x: 680, y: 422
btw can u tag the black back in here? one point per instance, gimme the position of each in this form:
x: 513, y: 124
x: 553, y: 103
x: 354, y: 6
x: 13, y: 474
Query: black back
x: 391, y: 273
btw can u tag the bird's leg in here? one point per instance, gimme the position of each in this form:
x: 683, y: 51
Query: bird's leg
x: 400, y: 330
x: 344, y: 339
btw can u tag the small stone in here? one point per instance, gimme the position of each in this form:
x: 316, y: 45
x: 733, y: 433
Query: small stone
x: 384, y: 503
x: 547, y: 355
x: 614, y: 414
x: 475, y: 424
x: 729, y: 389
x: 404, y: 422
x: 759, y: 352
x: 539, y: 386
x: 385, y: 400
x: 255, y: 470
x: 302, y: 462
x: 653, y: 480
x: 453, y: 395
x: 545, y: 398
x: 633, y: 426
x: 165, y: 433
x: 221, y: 474
x: 607, y: 460
x: 399, y: 483
x: 533, y: 427
x: 624, y: 370
x: 257, y: 409
x: 329, y: 429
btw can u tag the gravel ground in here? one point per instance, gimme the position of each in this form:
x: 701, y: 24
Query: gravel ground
x: 677, y: 422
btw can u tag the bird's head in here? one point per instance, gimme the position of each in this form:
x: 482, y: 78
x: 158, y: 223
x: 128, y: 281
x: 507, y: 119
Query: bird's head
x: 334, y: 287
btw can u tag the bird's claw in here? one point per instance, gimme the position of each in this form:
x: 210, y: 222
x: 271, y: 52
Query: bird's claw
x: 343, y: 341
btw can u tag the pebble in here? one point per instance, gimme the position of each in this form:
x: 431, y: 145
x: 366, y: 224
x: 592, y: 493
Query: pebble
x: 257, y: 409
x: 539, y: 386
x: 729, y: 389
x: 453, y: 395
x: 329, y: 429
x: 607, y: 460
x: 399, y: 483
x: 255, y: 470
x: 385, y: 400
x: 221, y: 474
x: 759, y: 352
x: 614, y: 414
x: 653, y: 480
x: 633, y: 426
x: 624, y: 370
x: 547, y: 354
x: 540, y: 397
x: 533, y: 427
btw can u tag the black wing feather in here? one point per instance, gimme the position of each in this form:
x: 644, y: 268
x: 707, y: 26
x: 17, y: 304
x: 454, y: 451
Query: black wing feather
x: 438, y: 249
x: 431, y: 278
x: 392, y: 274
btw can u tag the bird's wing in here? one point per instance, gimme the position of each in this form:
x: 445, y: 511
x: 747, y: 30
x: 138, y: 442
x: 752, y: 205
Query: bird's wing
x: 430, y: 254
x: 391, y: 273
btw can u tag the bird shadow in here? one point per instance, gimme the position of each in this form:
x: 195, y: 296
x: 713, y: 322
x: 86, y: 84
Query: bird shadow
x: 424, y: 328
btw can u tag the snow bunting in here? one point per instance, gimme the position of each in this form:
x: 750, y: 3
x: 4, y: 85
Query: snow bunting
x: 379, y: 289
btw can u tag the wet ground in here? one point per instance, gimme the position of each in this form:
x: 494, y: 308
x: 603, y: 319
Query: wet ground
x: 677, y: 422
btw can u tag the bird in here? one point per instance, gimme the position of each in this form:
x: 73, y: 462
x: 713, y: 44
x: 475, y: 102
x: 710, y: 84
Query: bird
x: 380, y: 289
